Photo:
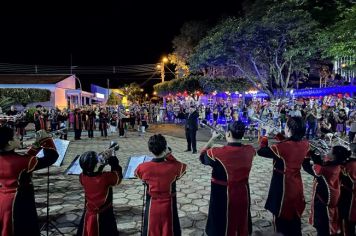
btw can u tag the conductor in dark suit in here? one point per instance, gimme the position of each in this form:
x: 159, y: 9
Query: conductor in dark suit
x: 191, y: 127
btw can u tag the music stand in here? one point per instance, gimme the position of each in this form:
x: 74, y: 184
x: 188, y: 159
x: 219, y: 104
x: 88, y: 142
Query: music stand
x: 48, y: 223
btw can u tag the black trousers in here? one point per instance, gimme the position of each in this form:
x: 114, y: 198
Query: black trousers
x: 121, y: 131
x: 351, y: 136
x: 104, y: 132
x: 91, y: 133
x: 349, y: 228
x: 288, y: 227
x: 191, y: 136
x: 77, y: 133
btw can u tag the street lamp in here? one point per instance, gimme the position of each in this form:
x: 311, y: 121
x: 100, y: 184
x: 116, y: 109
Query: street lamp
x: 161, y: 66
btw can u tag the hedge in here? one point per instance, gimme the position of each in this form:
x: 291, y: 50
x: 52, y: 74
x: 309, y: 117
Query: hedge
x: 25, y: 96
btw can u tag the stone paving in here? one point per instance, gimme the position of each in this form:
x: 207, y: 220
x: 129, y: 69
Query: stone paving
x: 67, y: 198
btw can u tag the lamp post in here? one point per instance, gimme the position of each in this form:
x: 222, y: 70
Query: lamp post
x: 161, y: 66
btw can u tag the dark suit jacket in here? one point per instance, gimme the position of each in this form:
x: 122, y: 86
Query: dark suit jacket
x: 192, y: 121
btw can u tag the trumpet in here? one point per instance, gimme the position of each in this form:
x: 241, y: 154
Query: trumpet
x: 205, y: 123
x: 104, y: 155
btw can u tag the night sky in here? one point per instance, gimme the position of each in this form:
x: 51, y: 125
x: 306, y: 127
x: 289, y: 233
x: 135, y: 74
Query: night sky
x: 98, y: 33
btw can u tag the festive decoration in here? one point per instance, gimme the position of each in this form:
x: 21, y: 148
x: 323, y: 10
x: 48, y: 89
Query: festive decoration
x: 198, y: 85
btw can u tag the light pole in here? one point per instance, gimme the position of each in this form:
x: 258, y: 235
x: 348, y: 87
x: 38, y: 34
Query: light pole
x: 161, y: 66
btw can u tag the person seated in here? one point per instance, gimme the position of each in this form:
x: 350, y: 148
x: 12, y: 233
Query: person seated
x: 18, y: 215
x: 98, y: 218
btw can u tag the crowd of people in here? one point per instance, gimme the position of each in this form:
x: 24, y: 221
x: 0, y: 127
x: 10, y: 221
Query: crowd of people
x: 333, y: 203
x: 328, y: 115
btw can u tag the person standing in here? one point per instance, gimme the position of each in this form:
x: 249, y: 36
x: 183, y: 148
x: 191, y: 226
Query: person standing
x: 18, y: 215
x: 98, y: 218
x: 285, y: 198
x: 11, y: 112
x: 90, y: 122
x: 326, y: 171
x: 103, y: 122
x: 77, y: 124
x: 312, y: 122
x: 191, y: 127
x: 352, y: 123
x: 347, y: 203
x: 229, y: 209
x: 121, y: 123
x: 160, y: 176
x: 39, y: 119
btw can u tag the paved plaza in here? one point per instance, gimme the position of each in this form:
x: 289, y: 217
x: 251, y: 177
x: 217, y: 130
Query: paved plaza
x: 67, y: 198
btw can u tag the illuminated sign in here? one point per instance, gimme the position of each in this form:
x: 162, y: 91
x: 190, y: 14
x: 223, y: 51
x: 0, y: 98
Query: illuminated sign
x: 100, y: 95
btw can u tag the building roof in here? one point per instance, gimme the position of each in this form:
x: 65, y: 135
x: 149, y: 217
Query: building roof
x: 32, y: 78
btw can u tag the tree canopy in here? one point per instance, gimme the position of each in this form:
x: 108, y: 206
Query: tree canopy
x: 339, y: 40
x: 270, y: 51
x: 184, y: 43
x: 113, y: 99
x: 202, y: 84
x: 132, y: 91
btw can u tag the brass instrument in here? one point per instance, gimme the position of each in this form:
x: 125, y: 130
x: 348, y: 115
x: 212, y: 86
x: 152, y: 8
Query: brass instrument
x: 319, y: 147
x: 206, y: 123
x: 53, y: 133
x: 13, y: 118
x: 104, y: 155
x: 275, y: 130
x: 341, y: 142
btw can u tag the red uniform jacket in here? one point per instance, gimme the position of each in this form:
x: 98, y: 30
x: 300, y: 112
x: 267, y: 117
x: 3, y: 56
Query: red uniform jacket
x: 230, y: 196
x: 40, y: 121
x: 160, y: 175
x: 325, y: 196
x: 18, y: 214
x: 286, y: 197
x: 98, y: 216
x: 348, y: 191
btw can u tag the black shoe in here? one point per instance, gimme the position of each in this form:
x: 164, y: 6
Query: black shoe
x: 194, y: 152
x: 188, y: 150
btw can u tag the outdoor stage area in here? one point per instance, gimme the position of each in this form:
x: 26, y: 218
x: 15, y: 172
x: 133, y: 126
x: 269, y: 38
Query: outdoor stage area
x: 67, y: 197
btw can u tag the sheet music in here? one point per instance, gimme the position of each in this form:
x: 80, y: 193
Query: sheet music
x: 74, y: 168
x: 62, y: 147
x: 133, y: 163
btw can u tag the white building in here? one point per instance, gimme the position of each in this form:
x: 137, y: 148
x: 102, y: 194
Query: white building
x: 63, y: 88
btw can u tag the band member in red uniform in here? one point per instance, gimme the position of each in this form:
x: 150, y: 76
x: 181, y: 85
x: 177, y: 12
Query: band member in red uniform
x: 160, y: 176
x: 98, y: 218
x: 90, y: 122
x: 347, y: 203
x: 229, y: 209
x: 326, y: 189
x: 285, y: 198
x: 39, y: 118
x: 78, y: 124
x: 103, y: 122
x: 18, y: 214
